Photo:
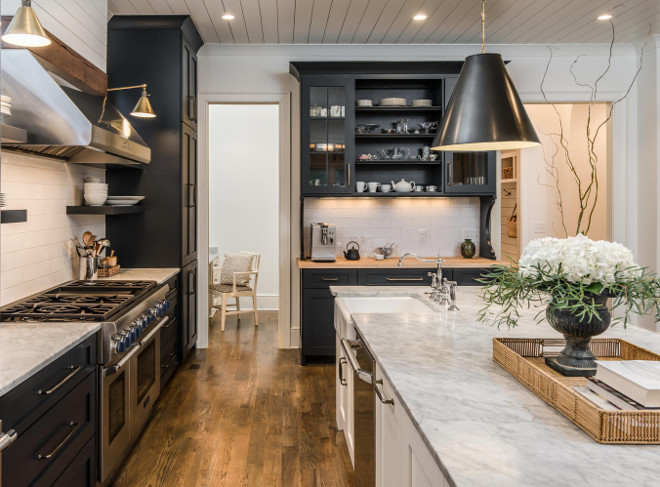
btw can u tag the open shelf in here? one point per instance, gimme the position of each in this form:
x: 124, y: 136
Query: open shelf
x: 394, y: 136
x: 394, y: 194
x: 103, y: 210
x: 398, y: 109
x: 326, y: 118
x: 407, y: 162
x: 13, y: 216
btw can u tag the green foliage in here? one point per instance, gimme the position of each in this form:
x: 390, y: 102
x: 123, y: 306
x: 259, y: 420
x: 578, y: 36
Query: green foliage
x: 636, y: 291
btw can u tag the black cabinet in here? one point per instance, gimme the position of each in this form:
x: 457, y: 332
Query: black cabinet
x: 394, y: 277
x: 318, y: 310
x: 188, y: 195
x: 56, y: 442
x: 170, y: 336
x: 470, y: 173
x: 468, y: 277
x: 327, y: 135
x: 162, y: 52
x: 188, y: 307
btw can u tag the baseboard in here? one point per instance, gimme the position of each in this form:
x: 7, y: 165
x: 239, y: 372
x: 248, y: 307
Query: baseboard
x: 295, y: 338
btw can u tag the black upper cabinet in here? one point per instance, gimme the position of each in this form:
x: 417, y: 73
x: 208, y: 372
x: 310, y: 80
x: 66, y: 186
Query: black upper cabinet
x: 160, y: 51
x: 334, y: 154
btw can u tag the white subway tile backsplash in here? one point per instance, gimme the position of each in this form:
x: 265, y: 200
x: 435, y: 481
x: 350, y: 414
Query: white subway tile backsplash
x: 37, y: 254
x: 398, y: 219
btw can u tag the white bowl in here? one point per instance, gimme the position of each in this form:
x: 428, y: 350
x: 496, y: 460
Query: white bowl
x: 97, y: 193
x: 92, y: 179
x: 95, y: 200
x: 95, y: 186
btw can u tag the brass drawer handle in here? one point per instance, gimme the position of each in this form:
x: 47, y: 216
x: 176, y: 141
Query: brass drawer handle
x: 330, y: 279
x: 75, y: 427
x: 405, y: 279
x: 74, y: 371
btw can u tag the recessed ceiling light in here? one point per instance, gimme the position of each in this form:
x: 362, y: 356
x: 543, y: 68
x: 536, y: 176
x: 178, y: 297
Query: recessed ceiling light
x: 228, y: 17
x: 605, y: 17
x: 420, y: 17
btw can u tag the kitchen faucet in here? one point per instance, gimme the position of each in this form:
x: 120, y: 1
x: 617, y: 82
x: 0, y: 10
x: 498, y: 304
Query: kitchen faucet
x: 442, y: 288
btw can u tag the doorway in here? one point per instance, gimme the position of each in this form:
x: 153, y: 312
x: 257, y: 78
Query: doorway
x: 244, y: 190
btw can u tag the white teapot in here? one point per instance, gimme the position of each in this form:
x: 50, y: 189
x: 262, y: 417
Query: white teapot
x: 403, y: 186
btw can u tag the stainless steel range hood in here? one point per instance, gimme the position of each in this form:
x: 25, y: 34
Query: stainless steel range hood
x: 63, y: 122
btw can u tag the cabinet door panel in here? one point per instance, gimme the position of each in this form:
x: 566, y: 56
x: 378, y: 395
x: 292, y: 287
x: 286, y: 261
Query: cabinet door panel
x: 323, y: 279
x: 188, y: 309
x: 189, y: 86
x: 389, y: 450
x: 394, y: 277
x: 188, y: 195
x: 318, y: 331
x: 467, y: 277
x: 469, y: 172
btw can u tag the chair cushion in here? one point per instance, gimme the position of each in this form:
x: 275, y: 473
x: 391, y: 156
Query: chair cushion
x: 227, y: 288
x: 236, y: 263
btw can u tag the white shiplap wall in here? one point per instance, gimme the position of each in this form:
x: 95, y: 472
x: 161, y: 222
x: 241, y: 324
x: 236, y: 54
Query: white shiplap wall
x: 81, y: 24
x: 37, y: 254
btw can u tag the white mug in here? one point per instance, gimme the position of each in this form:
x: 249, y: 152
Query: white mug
x: 386, y: 188
x: 360, y: 186
x: 373, y: 187
x: 431, y: 188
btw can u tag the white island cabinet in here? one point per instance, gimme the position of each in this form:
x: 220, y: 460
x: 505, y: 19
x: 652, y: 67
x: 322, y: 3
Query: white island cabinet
x: 402, y: 457
x: 344, y: 397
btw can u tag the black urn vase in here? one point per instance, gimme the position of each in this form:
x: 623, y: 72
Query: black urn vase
x: 577, y: 359
x: 468, y: 249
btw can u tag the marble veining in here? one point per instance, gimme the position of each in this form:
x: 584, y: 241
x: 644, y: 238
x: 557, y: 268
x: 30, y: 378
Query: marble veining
x: 483, y: 427
x: 26, y: 348
x: 160, y: 275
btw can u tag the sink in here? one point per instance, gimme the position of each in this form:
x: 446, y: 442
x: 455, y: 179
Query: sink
x: 394, y: 304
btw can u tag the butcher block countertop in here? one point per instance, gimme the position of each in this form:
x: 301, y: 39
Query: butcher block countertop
x: 410, y: 262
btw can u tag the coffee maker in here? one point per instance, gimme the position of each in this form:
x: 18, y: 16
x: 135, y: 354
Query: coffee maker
x: 324, y: 242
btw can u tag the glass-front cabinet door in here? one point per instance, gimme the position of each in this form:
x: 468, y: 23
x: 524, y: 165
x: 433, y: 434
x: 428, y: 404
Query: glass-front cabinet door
x: 470, y: 172
x: 328, y: 121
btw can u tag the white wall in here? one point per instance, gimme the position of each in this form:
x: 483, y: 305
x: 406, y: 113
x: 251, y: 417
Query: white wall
x: 399, y: 219
x: 255, y: 70
x: 37, y: 254
x: 81, y: 24
x: 540, y: 203
x: 244, y: 193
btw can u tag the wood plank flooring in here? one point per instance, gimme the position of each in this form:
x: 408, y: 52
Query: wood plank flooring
x: 243, y: 413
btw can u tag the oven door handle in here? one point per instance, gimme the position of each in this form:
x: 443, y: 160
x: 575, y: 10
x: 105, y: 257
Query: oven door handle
x: 117, y: 367
x: 362, y: 374
x: 151, y: 334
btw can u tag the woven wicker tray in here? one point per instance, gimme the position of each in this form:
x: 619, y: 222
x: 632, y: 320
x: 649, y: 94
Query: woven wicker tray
x: 524, y: 359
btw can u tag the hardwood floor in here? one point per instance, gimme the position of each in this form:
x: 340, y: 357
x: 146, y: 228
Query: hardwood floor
x: 243, y: 413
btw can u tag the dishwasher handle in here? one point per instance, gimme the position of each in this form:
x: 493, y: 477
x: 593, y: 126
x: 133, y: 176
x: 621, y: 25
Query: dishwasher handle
x: 362, y: 374
x: 7, y: 439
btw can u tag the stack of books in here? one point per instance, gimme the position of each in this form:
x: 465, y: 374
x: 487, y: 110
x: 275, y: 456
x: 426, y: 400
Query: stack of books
x: 624, y: 385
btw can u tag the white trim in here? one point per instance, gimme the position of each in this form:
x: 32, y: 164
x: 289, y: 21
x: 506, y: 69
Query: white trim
x: 283, y: 99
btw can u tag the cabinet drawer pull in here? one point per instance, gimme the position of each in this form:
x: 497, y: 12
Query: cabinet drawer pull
x: 342, y: 380
x: 170, y: 361
x: 70, y: 375
x: 380, y: 394
x: 75, y: 427
x: 330, y: 279
x: 404, y: 279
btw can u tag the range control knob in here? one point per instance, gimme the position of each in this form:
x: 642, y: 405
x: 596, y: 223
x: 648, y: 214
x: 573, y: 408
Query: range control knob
x: 160, y: 308
x: 137, y: 327
x: 118, y: 345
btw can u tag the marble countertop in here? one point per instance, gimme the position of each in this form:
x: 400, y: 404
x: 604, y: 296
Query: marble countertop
x: 483, y: 427
x: 26, y: 348
x: 158, y: 274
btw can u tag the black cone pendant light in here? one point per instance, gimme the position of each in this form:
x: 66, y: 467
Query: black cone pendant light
x: 485, y: 112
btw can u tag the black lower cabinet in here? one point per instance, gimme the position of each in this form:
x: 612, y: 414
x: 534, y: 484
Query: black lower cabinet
x: 188, y: 308
x: 394, y: 277
x: 56, y: 442
x: 468, y: 277
x: 318, y: 311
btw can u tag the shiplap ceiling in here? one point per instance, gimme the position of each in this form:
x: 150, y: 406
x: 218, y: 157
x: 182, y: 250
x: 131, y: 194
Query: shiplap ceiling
x: 390, y: 21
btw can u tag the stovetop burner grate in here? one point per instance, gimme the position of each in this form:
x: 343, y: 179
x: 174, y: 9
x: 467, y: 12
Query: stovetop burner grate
x: 78, y: 301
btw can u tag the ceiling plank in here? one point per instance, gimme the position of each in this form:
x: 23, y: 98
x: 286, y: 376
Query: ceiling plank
x: 634, y: 20
x: 458, y: 13
x: 336, y: 19
x: 238, y: 25
x: 390, y: 13
x: 302, y: 16
x: 161, y: 7
x: 285, y: 20
x: 353, y: 17
x: 222, y: 27
x: 269, y: 15
x: 251, y: 11
x: 414, y: 32
x: 555, y: 14
x: 179, y: 7
x: 319, y: 21
x: 370, y: 17
x: 403, y: 19
x: 202, y: 20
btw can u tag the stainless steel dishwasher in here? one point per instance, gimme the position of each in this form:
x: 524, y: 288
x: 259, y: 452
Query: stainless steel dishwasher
x: 364, y: 410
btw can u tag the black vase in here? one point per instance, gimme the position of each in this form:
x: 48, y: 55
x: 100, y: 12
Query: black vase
x: 577, y: 359
x: 468, y: 249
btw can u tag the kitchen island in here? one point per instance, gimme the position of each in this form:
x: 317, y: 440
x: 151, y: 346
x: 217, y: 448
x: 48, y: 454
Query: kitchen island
x: 480, y: 425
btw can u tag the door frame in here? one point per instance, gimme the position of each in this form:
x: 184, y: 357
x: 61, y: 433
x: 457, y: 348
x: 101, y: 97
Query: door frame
x: 283, y: 100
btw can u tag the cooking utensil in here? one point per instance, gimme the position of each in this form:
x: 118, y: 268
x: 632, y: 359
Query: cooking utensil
x: 88, y: 238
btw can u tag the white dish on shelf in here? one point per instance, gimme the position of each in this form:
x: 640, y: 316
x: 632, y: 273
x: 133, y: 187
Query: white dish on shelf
x: 364, y: 103
x: 131, y: 198
x: 116, y: 202
x: 423, y: 102
x: 393, y: 102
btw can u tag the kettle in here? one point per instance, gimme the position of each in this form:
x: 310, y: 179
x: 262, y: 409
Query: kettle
x: 352, y: 253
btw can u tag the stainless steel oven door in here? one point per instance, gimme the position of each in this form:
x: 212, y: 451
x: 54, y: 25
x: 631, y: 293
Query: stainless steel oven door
x: 145, y: 379
x: 115, y: 437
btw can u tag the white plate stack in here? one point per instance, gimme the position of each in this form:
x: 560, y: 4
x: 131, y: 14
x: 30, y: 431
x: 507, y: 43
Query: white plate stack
x: 422, y: 102
x: 393, y: 102
x: 124, y: 200
x: 5, y: 106
x: 95, y: 193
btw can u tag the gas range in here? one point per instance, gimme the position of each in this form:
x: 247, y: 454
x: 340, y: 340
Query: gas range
x: 127, y: 310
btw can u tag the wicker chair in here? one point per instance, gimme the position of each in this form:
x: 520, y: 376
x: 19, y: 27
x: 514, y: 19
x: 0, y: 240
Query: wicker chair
x: 236, y: 291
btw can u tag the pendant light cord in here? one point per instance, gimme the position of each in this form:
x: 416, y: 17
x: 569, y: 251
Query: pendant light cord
x: 483, y: 26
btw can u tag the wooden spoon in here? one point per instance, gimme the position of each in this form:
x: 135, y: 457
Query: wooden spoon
x: 88, y: 238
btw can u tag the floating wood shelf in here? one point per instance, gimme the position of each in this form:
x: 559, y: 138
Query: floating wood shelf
x: 13, y: 216
x: 103, y: 210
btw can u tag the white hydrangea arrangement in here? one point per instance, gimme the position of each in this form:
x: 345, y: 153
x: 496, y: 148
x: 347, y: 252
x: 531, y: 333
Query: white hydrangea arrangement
x: 570, y: 271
